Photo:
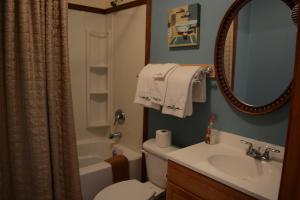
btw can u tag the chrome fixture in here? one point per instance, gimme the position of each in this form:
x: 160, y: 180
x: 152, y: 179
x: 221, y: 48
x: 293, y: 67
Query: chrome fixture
x: 114, y: 152
x: 255, y: 153
x: 207, y: 71
x: 114, y: 3
x: 266, y: 154
x: 119, y: 117
x: 115, y: 135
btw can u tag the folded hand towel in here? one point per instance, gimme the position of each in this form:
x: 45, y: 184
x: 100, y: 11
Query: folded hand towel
x: 178, y: 100
x: 144, y: 86
x: 159, y: 87
x: 161, y: 70
x: 120, y: 168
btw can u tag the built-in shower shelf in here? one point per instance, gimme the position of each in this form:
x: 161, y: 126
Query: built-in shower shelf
x: 99, y: 66
x: 98, y: 124
x: 105, y: 92
x: 98, y: 80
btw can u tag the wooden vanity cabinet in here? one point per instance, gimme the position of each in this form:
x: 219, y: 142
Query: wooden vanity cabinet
x: 175, y: 192
x: 185, y: 184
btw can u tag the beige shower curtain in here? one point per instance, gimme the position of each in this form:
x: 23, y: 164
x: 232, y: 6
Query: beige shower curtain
x: 38, y: 158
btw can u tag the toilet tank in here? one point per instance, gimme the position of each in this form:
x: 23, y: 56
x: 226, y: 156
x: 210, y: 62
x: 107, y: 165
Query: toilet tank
x: 157, y: 162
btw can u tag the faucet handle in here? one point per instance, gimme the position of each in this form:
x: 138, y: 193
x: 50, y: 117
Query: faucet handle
x: 266, y: 155
x: 250, y: 148
x: 268, y: 149
x: 113, y: 135
x: 246, y: 142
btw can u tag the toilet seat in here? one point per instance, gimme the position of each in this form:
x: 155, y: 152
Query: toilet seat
x: 131, y: 189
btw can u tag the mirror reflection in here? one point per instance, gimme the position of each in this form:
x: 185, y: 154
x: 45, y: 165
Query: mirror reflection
x: 259, y: 52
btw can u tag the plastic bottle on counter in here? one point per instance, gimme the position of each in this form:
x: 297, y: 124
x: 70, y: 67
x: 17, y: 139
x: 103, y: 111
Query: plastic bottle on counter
x: 209, y: 137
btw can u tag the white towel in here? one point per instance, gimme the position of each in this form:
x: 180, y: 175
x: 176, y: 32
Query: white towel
x: 178, y: 100
x: 161, y: 70
x: 199, y: 88
x: 159, y: 85
x: 144, y: 86
x: 146, y: 103
x: 197, y: 91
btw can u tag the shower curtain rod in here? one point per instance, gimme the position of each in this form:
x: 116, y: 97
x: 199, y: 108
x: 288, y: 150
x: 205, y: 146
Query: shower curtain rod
x: 108, y: 10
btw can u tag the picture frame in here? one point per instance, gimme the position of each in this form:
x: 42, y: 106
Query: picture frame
x: 184, y: 26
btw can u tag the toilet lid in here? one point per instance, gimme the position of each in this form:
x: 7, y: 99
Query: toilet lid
x: 131, y: 189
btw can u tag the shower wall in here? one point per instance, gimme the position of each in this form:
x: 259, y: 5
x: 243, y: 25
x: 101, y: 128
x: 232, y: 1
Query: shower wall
x: 87, y: 51
x: 129, y: 32
x: 125, y: 53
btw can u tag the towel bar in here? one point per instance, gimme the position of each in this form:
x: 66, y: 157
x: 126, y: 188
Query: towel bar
x: 209, y: 69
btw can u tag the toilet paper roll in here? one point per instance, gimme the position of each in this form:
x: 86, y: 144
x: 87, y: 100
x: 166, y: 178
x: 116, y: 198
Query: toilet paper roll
x: 163, y: 138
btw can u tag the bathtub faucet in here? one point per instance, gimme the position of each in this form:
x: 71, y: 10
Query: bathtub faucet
x: 117, y: 135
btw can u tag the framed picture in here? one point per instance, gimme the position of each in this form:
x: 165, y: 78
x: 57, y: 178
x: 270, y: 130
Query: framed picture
x: 184, y: 26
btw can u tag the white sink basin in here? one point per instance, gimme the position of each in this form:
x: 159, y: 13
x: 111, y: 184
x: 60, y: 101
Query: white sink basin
x: 229, y: 164
x: 243, y: 166
x: 237, y: 166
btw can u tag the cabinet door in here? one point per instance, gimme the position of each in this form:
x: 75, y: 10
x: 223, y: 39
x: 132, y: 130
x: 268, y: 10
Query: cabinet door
x: 175, y: 192
x: 201, y: 186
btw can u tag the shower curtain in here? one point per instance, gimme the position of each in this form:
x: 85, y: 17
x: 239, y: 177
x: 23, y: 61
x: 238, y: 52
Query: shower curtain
x: 38, y: 158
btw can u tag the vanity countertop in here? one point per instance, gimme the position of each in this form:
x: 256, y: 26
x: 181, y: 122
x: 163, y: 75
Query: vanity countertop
x: 228, y: 164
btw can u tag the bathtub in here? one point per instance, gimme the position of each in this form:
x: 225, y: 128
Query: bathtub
x: 95, y: 173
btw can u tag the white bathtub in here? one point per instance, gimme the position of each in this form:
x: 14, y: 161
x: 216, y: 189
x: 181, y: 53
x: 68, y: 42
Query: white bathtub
x: 95, y: 174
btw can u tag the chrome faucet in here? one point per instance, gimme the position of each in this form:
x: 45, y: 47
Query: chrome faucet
x: 114, y: 135
x: 119, y: 117
x: 255, y: 153
x: 266, y: 154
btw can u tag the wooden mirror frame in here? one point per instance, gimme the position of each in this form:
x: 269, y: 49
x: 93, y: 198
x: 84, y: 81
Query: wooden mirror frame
x: 231, y: 13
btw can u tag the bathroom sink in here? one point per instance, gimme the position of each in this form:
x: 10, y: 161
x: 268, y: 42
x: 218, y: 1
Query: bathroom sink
x: 228, y: 163
x: 238, y: 166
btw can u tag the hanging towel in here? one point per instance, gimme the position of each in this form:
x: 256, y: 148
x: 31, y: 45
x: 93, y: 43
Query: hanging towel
x: 179, y: 96
x: 146, y: 102
x: 120, y: 168
x: 161, y: 70
x: 159, y: 85
x: 144, y: 86
x: 199, y: 89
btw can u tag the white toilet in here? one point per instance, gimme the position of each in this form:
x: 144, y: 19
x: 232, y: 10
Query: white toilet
x: 156, y: 164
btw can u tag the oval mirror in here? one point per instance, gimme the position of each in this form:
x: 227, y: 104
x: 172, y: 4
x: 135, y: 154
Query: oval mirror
x: 255, y: 54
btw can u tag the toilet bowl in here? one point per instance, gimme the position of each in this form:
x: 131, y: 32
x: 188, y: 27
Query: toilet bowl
x: 156, y: 164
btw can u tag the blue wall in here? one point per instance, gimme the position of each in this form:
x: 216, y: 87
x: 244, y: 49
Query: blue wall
x: 271, y: 128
